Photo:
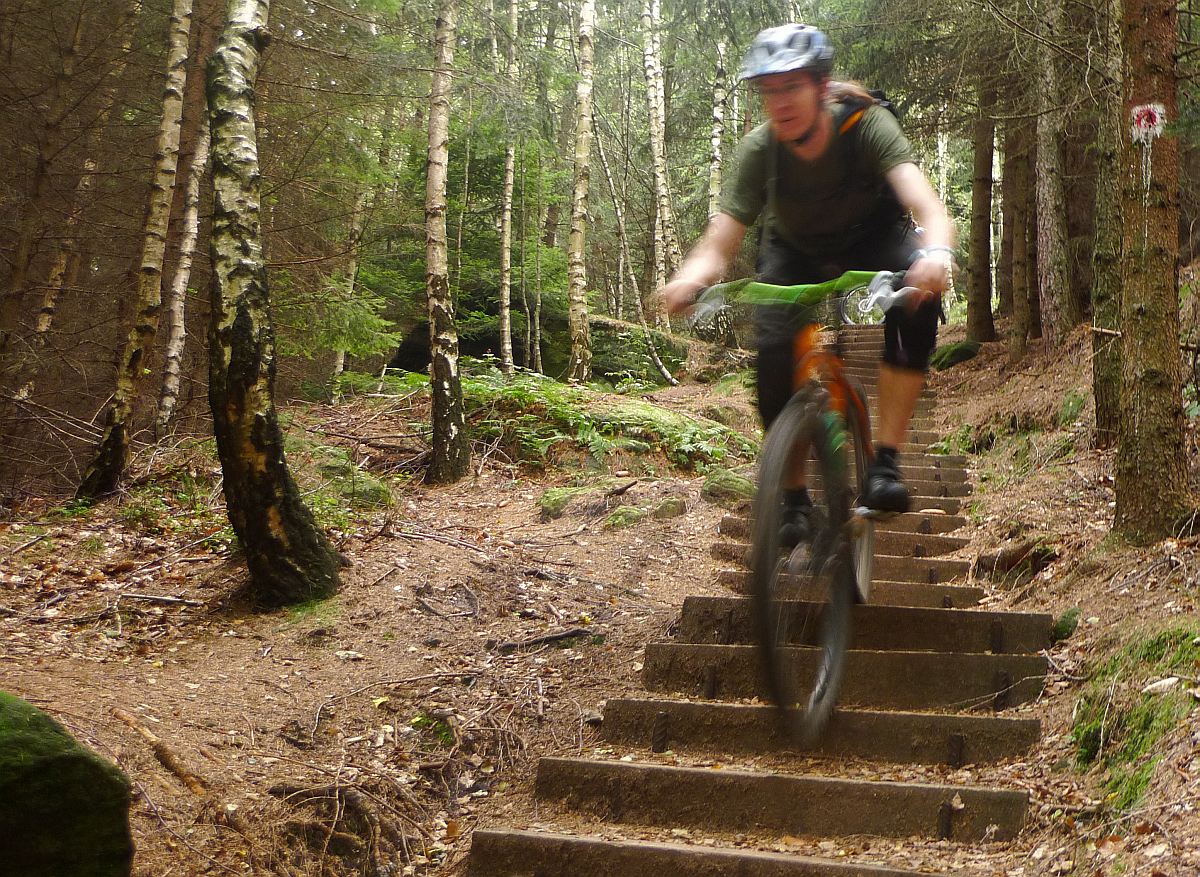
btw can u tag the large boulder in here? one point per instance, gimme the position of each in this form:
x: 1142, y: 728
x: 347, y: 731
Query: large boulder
x: 63, y: 809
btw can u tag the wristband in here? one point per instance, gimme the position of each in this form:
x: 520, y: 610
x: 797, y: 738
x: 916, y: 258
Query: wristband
x: 924, y: 252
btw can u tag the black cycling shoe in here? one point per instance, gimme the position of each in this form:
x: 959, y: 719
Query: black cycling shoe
x: 885, y: 491
x: 797, y: 520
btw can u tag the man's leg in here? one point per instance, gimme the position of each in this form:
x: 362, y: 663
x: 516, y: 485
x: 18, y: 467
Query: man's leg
x: 899, y: 389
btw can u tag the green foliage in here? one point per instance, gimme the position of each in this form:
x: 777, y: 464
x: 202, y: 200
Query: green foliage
x: 533, y: 418
x: 724, y: 486
x: 1072, y: 405
x: 435, y: 732
x: 75, y: 510
x: 948, y: 355
x: 318, y: 613
x: 1114, y: 722
x: 624, y: 516
x: 1066, y: 624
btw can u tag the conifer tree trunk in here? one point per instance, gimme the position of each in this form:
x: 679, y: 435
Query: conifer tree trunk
x: 111, y: 458
x: 451, y: 448
x: 1151, y: 465
x: 1060, y: 311
x: 1106, y: 257
x: 289, y: 558
x: 580, y: 367
x: 36, y: 205
x: 980, y: 326
x: 1018, y: 144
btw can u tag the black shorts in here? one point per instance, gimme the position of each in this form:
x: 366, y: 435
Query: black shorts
x: 909, y: 339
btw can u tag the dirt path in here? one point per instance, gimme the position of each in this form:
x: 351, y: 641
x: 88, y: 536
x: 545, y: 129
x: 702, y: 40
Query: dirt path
x: 402, y: 706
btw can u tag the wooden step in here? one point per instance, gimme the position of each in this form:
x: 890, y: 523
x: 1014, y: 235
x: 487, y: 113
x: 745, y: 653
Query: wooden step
x: 737, y: 800
x: 954, y: 739
x: 729, y: 620
x: 511, y: 853
x: 885, y: 592
x: 875, y: 679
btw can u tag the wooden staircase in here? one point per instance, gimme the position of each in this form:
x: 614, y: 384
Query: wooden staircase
x: 931, y: 679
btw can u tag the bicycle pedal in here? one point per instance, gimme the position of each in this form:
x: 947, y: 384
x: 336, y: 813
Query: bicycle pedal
x: 871, y: 514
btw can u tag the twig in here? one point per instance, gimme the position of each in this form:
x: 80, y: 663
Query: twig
x: 413, y: 534
x: 411, y: 679
x: 1062, y: 672
x: 163, y: 753
x: 573, y: 633
x: 34, y: 541
x: 158, y: 560
x: 157, y: 598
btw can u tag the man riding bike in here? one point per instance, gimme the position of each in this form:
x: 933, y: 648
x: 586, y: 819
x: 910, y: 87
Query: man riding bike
x: 836, y: 182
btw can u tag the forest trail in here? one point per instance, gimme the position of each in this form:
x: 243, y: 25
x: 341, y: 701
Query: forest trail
x: 934, y: 680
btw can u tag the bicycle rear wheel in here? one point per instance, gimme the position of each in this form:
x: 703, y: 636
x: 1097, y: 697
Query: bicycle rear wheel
x: 802, y: 595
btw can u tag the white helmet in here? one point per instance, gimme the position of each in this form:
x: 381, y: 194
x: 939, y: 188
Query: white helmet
x: 787, y: 48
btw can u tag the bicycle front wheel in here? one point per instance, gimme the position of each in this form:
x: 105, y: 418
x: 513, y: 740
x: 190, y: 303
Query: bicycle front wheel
x: 802, y: 594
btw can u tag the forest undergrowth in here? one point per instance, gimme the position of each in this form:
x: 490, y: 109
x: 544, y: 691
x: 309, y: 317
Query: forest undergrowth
x: 483, y: 625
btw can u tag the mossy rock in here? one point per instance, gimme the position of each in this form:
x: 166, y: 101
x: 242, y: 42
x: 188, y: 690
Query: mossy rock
x: 63, y: 809
x: 671, y: 507
x: 553, y: 503
x: 624, y: 516
x: 724, y: 487
x: 1066, y: 624
x: 952, y: 354
x: 365, y: 490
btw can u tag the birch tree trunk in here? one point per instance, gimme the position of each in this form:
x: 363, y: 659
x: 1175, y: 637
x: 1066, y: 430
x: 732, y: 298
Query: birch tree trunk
x: 177, y: 295
x: 720, y: 102
x: 506, y: 210
x: 1151, y: 465
x: 1004, y: 266
x: 451, y: 448
x: 980, y: 326
x: 289, y: 558
x: 1060, y: 312
x: 580, y: 367
x: 626, y: 261
x: 111, y: 458
x: 353, y: 247
x: 665, y: 241
x: 1106, y: 257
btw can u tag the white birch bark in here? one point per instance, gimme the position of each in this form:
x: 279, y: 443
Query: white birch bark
x: 288, y: 556
x: 666, y: 247
x: 177, y: 294
x: 580, y: 366
x: 112, y: 456
x: 510, y: 156
x: 451, y: 451
x: 720, y: 101
x: 625, y: 261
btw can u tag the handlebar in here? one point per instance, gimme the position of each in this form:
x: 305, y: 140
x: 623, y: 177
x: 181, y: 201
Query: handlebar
x: 882, y: 292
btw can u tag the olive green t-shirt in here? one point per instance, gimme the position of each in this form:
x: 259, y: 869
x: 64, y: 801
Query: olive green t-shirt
x: 828, y: 204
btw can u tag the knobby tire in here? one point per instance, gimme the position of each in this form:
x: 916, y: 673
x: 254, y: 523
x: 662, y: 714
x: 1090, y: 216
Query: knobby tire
x: 802, y: 597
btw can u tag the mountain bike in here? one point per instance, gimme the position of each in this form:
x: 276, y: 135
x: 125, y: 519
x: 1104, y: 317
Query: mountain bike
x: 803, y: 594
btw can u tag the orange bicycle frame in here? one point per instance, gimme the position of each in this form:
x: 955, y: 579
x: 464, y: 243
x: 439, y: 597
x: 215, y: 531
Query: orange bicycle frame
x: 814, y: 361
